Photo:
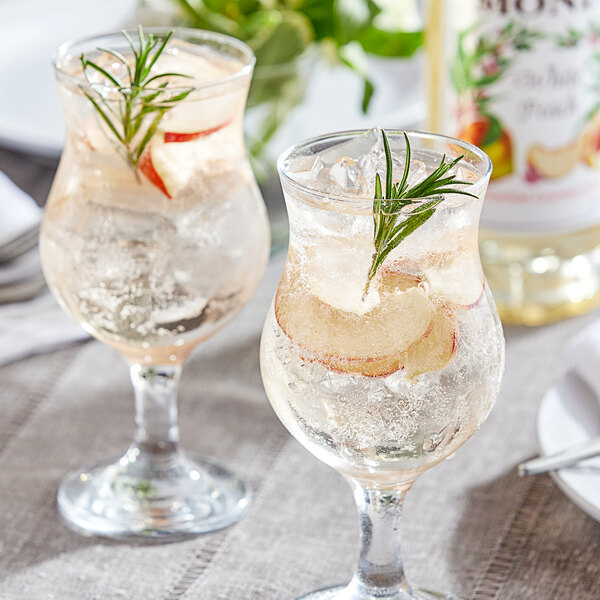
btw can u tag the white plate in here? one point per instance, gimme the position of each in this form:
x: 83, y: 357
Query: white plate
x: 30, y: 31
x: 570, y: 414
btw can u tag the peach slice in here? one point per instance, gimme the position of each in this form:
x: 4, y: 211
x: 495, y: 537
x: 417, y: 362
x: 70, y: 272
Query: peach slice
x: 170, y: 159
x: 433, y: 352
x: 96, y: 136
x: 399, y: 320
x: 146, y: 166
x: 171, y: 166
x: 208, y: 114
x: 591, y: 142
x: 177, y: 137
x: 368, y: 368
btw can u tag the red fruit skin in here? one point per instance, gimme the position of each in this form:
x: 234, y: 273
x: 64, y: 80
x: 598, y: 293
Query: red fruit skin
x: 174, y: 137
x: 147, y: 168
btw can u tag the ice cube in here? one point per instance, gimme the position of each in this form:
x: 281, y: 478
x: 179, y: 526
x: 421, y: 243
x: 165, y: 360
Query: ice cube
x: 462, y: 173
x: 356, y: 148
x: 346, y: 174
x: 336, y: 271
x: 344, y: 177
x: 350, y: 168
x: 339, y: 169
x: 417, y: 172
x: 375, y: 163
x: 305, y: 169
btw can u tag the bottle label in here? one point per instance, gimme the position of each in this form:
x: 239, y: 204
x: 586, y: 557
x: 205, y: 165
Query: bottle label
x: 525, y: 87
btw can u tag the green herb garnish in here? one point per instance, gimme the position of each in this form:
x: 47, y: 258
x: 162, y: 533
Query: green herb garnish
x: 387, y: 210
x: 126, y: 115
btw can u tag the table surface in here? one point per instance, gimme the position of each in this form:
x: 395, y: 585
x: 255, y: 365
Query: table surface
x: 471, y: 525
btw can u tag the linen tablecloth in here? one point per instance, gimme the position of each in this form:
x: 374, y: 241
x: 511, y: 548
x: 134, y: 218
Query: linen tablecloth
x: 471, y: 525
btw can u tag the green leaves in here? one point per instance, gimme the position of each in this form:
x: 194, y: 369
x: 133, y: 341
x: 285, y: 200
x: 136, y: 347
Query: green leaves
x: 570, y: 39
x: 390, y: 44
x: 279, y: 31
x: 392, y: 222
x: 126, y: 115
x: 281, y: 36
x: 353, y: 17
x: 357, y: 33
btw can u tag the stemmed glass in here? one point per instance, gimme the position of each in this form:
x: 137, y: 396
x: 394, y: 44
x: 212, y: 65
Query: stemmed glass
x: 154, y: 236
x: 381, y: 380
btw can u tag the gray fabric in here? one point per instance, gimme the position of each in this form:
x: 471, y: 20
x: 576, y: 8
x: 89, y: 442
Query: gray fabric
x: 471, y: 526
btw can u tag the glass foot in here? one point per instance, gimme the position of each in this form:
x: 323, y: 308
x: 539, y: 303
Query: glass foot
x: 162, y: 497
x: 350, y: 593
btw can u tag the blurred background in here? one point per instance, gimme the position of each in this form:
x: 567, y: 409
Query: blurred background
x: 322, y: 65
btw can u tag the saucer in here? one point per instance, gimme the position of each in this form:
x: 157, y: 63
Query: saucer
x: 569, y: 415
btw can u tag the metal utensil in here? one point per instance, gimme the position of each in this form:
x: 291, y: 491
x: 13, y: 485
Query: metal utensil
x: 566, y: 458
x: 19, y: 245
x: 21, y: 278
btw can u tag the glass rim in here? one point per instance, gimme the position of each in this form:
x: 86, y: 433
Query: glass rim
x: 248, y: 62
x: 361, y: 201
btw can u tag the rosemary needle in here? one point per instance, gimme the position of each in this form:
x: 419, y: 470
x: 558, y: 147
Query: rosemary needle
x: 391, y: 224
x: 126, y: 117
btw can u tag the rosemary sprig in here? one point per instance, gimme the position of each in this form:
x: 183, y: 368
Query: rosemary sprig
x: 389, y: 230
x: 126, y: 117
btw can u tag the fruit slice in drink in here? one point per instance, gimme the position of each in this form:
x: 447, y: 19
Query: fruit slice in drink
x: 170, y: 166
x: 397, y: 322
x: 432, y: 352
x: 405, y: 330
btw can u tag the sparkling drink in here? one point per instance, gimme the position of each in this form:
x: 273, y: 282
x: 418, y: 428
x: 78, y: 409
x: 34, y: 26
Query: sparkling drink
x: 154, y: 236
x: 381, y: 377
x: 155, y: 260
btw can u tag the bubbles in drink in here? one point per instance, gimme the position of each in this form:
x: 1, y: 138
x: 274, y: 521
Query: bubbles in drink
x: 380, y: 381
x: 160, y: 254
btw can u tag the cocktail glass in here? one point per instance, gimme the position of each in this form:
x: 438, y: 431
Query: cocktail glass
x: 153, y: 247
x: 381, y: 382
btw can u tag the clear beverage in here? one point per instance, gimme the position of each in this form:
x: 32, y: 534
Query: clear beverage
x: 385, y: 386
x: 154, y: 237
x: 155, y: 260
x: 382, y: 381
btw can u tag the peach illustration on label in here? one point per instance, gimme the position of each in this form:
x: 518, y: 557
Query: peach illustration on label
x: 548, y: 163
x: 489, y: 134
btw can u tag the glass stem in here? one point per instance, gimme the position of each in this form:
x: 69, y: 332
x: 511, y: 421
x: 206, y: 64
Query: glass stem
x: 157, y: 431
x: 380, y: 571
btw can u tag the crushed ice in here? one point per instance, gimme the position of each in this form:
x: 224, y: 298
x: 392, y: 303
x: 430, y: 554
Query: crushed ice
x: 349, y: 168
